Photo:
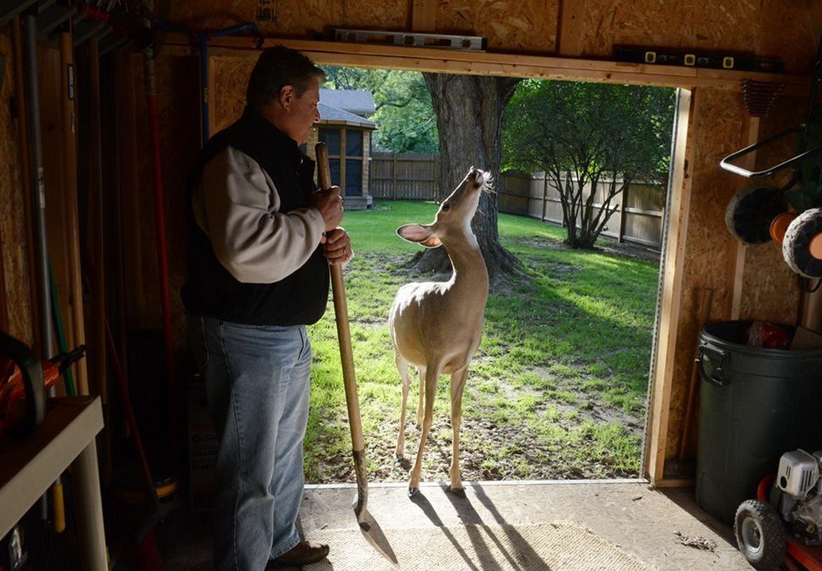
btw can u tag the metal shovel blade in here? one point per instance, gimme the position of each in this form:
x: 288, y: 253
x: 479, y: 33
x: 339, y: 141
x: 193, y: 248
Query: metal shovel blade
x: 369, y: 527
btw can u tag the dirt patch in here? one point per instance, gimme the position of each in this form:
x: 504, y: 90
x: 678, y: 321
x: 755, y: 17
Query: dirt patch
x: 608, y: 246
x: 630, y: 250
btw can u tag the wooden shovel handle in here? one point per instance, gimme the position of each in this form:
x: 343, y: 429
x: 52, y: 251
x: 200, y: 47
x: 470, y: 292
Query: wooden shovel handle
x: 341, y: 314
x: 70, y: 202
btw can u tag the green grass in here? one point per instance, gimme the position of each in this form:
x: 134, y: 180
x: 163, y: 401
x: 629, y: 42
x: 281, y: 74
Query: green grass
x: 556, y: 390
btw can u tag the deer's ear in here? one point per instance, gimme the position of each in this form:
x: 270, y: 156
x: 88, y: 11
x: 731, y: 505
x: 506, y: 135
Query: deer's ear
x: 419, y: 233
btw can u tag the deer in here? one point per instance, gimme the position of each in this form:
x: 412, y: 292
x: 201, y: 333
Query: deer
x: 436, y: 326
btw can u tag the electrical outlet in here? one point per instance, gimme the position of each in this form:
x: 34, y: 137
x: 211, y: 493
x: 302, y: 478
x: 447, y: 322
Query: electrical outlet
x: 266, y: 11
x: 12, y: 554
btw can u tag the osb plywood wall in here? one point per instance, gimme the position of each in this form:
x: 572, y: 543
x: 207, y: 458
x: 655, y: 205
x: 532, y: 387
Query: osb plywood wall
x: 13, y: 225
x: 754, y: 26
x: 591, y: 27
x: 229, y: 101
x: 774, y: 290
x: 516, y: 26
x: 293, y: 19
x: 712, y: 252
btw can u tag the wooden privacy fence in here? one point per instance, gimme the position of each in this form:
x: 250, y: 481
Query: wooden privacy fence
x: 404, y: 176
x: 639, y: 218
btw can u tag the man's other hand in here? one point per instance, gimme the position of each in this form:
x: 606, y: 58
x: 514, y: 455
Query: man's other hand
x: 329, y: 204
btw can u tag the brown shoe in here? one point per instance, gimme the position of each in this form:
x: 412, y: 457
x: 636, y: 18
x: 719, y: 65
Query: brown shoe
x: 304, y: 553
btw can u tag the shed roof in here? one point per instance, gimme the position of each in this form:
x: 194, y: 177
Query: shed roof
x: 356, y: 101
x: 332, y: 115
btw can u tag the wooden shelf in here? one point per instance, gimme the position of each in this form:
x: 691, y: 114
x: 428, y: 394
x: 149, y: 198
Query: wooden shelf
x: 29, y: 467
x: 492, y: 63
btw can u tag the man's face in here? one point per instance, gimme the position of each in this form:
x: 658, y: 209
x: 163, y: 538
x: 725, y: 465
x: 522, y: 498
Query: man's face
x: 302, y: 112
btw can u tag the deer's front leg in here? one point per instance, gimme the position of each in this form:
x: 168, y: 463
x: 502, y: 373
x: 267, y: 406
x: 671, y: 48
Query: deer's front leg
x: 458, y: 379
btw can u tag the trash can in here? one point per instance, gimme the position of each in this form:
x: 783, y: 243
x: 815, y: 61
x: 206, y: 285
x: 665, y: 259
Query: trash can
x: 755, y: 404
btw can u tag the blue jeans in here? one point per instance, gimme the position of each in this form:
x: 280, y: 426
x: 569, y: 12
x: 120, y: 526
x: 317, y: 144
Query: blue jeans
x: 257, y: 381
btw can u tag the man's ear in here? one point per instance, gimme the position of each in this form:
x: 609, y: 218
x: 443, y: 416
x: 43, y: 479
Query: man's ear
x: 287, y: 96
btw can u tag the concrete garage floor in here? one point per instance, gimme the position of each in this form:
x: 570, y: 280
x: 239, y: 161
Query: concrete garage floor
x: 662, y: 527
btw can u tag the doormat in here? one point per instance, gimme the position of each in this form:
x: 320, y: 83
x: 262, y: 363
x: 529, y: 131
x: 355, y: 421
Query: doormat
x: 556, y: 546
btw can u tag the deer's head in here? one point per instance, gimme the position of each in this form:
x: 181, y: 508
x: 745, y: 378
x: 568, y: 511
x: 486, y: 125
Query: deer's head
x: 454, y: 214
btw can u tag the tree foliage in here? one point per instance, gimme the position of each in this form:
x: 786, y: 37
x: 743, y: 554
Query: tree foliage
x: 405, y: 117
x: 584, y: 134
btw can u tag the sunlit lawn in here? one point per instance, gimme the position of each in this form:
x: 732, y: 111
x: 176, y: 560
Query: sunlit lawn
x: 558, y: 386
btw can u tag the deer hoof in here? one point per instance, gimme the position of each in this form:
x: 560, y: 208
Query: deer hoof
x: 459, y: 492
x: 412, y: 491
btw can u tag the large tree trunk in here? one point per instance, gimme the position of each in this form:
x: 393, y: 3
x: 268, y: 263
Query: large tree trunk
x: 469, y: 119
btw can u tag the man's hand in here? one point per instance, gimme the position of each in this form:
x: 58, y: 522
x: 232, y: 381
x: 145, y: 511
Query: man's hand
x: 337, y: 246
x: 329, y: 203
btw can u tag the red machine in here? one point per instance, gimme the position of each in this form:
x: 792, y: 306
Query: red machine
x: 783, y: 525
x: 24, y: 382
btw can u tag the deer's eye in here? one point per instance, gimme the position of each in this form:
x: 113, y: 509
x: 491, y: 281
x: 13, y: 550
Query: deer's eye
x: 446, y: 206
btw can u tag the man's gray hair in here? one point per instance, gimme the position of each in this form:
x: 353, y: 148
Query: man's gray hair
x: 277, y: 67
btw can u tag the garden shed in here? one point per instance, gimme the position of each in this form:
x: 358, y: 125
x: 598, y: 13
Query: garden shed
x: 152, y: 78
x: 346, y: 130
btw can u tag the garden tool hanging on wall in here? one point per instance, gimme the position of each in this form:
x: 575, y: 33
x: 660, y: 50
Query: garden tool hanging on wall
x: 790, y: 215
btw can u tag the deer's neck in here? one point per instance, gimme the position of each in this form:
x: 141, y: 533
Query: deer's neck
x: 470, y: 274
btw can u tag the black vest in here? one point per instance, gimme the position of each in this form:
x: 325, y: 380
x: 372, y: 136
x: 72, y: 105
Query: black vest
x: 300, y: 298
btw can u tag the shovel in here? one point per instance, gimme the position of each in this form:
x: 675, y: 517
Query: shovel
x: 368, y: 525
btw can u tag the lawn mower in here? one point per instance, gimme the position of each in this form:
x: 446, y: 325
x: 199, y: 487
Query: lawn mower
x: 782, y: 527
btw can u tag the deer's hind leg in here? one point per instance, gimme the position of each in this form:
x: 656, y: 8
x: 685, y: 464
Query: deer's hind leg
x: 431, y: 374
x: 421, y: 405
x: 402, y: 367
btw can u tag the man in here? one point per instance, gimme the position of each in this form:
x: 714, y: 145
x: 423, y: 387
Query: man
x: 262, y: 240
